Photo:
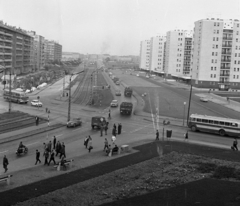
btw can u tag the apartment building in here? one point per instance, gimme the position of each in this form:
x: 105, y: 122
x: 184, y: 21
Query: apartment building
x: 15, y: 50
x: 53, y: 51
x: 144, y: 55
x: 38, y: 51
x: 216, y: 54
x: 156, y: 62
x: 178, y: 53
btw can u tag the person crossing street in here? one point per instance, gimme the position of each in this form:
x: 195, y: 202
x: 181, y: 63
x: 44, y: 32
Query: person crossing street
x: 52, y: 158
x: 5, y: 163
x: 37, y: 157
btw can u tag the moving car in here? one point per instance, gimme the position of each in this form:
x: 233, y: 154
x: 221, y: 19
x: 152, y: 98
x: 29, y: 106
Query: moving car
x: 36, y: 103
x: 74, y: 122
x: 118, y: 93
x: 204, y: 99
x: 114, y: 103
x: 98, y: 121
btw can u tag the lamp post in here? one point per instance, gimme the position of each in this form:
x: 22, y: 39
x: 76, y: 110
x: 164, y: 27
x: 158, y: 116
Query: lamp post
x: 184, y: 104
x: 189, y: 104
x: 69, y: 98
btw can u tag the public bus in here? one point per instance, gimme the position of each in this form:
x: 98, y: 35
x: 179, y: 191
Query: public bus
x: 219, y: 125
x: 16, y: 96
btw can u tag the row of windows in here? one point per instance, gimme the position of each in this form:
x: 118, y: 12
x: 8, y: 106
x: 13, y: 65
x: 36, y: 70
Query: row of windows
x: 215, y: 53
x: 215, y: 38
x: 235, y: 76
x: 215, y: 122
x: 214, y: 61
x: 178, y: 70
x: 215, y: 46
x: 213, y: 75
x: 178, y: 65
x: 238, y: 55
x: 236, y: 69
x: 215, y: 68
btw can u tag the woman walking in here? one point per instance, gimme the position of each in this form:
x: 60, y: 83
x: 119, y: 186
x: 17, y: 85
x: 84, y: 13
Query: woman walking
x: 90, y: 147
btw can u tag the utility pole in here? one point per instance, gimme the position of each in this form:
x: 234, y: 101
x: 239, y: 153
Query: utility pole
x: 189, y: 103
x: 64, y: 82
x: 69, y: 95
x: 10, y: 93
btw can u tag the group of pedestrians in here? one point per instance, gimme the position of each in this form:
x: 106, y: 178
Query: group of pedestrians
x: 51, y: 150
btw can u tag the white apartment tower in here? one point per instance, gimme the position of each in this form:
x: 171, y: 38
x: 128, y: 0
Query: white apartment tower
x: 178, y: 53
x: 144, y: 55
x: 216, y: 54
x: 156, y: 63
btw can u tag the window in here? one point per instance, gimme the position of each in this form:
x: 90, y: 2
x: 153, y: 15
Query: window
x: 233, y: 76
x: 238, y: 69
x: 216, y: 46
x: 210, y: 121
x: 215, y: 60
x: 235, y: 55
x: 236, y: 40
x: 211, y: 68
x: 205, y: 120
x: 215, y: 53
x: 237, y: 76
x: 214, y: 23
x: 215, y: 122
x: 213, y: 38
x: 234, y: 69
x: 214, y: 75
x: 237, y: 25
x: 211, y: 75
x: 216, y: 38
x: 221, y: 123
x: 213, y: 46
x: 235, y: 62
x: 238, y: 62
x: 215, y: 68
x: 199, y: 120
x: 218, y: 24
x: 227, y: 124
x: 212, y: 53
x: 217, y: 31
x: 212, y: 60
x: 214, y: 31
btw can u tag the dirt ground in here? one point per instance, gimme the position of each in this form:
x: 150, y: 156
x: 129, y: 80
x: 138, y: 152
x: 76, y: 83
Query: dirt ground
x: 158, y: 173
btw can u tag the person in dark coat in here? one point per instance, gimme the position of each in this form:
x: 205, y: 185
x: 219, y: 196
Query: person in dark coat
x: 37, y: 157
x: 54, y: 142
x: 46, y: 155
x: 235, y: 143
x: 49, y: 146
x: 52, y: 158
x: 106, y: 129
x: 86, y: 141
x: 186, y: 136
x: 62, y: 152
x: 114, y: 132
x: 119, y: 128
x: 157, y: 135
x: 114, y: 126
x: 58, y: 148
x: 90, y: 147
x: 5, y: 163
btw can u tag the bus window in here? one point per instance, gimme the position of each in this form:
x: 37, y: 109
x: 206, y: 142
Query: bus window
x: 215, y: 122
x: 227, y: 124
x: 199, y: 120
x: 234, y: 124
x: 221, y: 123
x: 205, y: 120
x: 210, y: 121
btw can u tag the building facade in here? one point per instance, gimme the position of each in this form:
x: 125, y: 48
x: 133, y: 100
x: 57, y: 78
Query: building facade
x: 69, y: 56
x: 216, y: 54
x: 178, y: 53
x: 53, y: 51
x: 156, y: 62
x: 15, y: 50
x: 144, y: 55
x: 38, y: 51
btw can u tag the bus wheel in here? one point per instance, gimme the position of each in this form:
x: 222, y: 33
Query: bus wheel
x: 222, y: 132
x: 193, y: 128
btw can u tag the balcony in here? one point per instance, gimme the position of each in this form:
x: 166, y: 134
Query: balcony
x: 227, y: 53
x: 7, y: 34
x: 225, y: 60
x: 7, y: 46
x: 227, y: 45
x: 225, y: 68
x: 224, y: 75
x: 19, y: 37
x: 227, y: 38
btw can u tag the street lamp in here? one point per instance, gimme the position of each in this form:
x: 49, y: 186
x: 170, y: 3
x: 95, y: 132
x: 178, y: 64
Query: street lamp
x: 69, y: 98
x: 189, y: 104
x: 184, y: 104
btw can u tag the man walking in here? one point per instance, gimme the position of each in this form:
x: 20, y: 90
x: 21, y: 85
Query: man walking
x: 106, y: 129
x: 109, y: 114
x: 186, y: 136
x: 46, y: 154
x: 86, y: 141
x: 63, y: 152
x: 5, y: 163
x: 101, y: 130
x: 105, y: 144
x: 36, y: 119
x: 37, y: 157
x: 119, y: 128
x: 58, y: 148
x: 90, y: 147
x: 235, y: 143
x: 49, y: 146
x: 54, y: 142
x: 157, y: 135
x: 52, y: 158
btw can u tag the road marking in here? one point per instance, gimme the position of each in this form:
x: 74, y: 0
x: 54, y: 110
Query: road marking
x: 4, y: 151
x: 32, y: 143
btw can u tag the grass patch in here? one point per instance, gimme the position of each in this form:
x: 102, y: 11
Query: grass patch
x: 205, y: 167
x: 222, y: 172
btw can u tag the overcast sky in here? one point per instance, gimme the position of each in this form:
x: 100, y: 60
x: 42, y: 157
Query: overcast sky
x: 110, y: 26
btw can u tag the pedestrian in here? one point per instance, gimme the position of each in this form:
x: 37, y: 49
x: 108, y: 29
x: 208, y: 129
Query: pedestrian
x: 105, y: 144
x: 109, y: 114
x: 62, y: 152
x: 46, y: 154
x: 52, y: 158
x: 119, y: 128
x: 235, y: 143
x: 49, y: 146
x: 46, y: 110
x: 113, y: 139
x: 44, y: 147
x: 58, y: 148
x: 5, y: 163
x: 114, y: 126
x: 37, y: 157
x: 86, y: 141
x: 186, y: 136
x: 114, y: 132
x: 157, y: 135
x: 90, y: 147
x: 54, y: 142
x: 36, y: 119
x: 101, y: 130
x: 106, y: 128
x: 48, y: 121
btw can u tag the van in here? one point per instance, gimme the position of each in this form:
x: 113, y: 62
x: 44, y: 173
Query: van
x: 98, y: 121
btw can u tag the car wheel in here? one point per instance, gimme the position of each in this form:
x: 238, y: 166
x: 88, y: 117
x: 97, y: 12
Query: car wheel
x: 194, y: 128
x: 222, y: 132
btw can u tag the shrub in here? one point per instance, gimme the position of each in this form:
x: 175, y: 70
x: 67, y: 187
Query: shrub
x: 205, y: 167
x: 224, y: 172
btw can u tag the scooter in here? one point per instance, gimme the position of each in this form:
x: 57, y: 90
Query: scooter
x: 21, y: 151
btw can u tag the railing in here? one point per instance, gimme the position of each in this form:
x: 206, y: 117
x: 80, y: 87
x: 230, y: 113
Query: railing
x: 227, y: 38
x: 226, y: 45
x: 225, y: 60
x: 225, y: 67
x: 226, y: 53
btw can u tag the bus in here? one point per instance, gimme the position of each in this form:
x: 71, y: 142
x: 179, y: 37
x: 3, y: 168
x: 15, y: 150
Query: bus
x: 16, y: 96
x: 219, y: 125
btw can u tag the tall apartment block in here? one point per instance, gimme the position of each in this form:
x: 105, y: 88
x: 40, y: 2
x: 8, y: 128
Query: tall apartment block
x: 178, y: 53
x: 216, y: 54
x: 15, y: 50
x: 53, y: 51
x: 156, y: 62
x: 39, y: 52
x: 144, y: 55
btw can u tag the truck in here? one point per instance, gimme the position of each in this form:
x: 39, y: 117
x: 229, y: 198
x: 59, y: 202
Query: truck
x: 128, y: 92
x: 126, y: 108
x: 115, y: 79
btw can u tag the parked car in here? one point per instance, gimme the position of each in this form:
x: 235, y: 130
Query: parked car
x: 114, y: 103
x: 74, y: 122
x: 36, y: 103
x: 118, y: 93
x: 204, y: 99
